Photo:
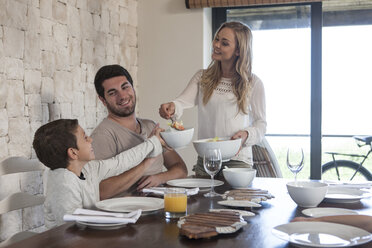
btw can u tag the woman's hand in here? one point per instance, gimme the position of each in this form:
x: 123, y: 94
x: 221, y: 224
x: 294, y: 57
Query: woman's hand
x: 241, y: 135
x: 156, y: 131
x: 167, y: 110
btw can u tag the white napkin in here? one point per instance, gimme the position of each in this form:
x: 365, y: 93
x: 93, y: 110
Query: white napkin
x: 161, y: 190
x: 94, y: 216
x: 358, y: 185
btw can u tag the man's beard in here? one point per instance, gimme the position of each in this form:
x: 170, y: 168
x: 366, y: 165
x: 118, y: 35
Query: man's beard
x: 122, y: 112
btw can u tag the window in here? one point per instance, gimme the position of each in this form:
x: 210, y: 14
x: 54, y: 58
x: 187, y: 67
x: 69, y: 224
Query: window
x: 314, y: 100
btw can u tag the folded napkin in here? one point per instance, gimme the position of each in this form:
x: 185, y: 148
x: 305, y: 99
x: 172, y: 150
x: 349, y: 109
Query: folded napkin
x: 161, y: 190
x: 94, y: 216
x: 358, y: 185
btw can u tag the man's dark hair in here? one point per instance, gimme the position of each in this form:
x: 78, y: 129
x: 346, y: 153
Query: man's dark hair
x: 107, y: 72
x: 52, y: 140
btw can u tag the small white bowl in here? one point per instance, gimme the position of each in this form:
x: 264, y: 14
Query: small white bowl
x: 307, y: 193
x: 178, y: 139
x: 229, y: 148
x: 239, y: 177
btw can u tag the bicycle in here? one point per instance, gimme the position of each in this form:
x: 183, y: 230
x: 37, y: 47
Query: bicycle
x: 347, y: 170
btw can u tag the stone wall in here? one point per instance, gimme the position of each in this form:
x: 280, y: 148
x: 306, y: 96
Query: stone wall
x: 49, y: 53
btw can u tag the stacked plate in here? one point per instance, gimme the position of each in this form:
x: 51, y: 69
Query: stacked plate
x: 194, y: 182
x: 338, y: 194
x: 321, y: 234
x: 128, y: 204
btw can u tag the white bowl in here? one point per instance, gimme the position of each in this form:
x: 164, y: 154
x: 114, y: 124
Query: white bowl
x: 239, y: 177
x: 229, y: 148
x: 307, y: 193
x: 178, y: 139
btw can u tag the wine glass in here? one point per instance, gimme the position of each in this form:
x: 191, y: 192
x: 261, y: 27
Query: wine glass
x: 295, y: 160
x: 212, y: 161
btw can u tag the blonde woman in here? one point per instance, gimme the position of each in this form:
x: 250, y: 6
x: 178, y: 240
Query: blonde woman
x: 230, y: 98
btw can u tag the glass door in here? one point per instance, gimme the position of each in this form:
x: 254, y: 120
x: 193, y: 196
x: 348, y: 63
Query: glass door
x: 281, y: 58
x: 347, y: 87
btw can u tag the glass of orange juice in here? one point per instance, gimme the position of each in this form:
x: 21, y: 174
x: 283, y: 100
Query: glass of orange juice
x: 175, y: 202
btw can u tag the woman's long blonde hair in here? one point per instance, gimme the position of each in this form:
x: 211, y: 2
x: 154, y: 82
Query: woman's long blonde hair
x: 242, y: 78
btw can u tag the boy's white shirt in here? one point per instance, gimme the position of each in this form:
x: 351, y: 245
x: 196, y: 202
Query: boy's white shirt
x: 66, y: 191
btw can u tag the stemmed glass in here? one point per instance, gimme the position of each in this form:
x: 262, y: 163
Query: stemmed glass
x: 295, y: 160
x: 212, y: 161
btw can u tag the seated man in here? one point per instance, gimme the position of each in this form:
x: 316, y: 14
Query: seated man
x: 73, y: 181
x: 122, y: 130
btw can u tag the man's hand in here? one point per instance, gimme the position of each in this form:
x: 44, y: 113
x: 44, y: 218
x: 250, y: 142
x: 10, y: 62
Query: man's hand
x: 117, y: 184
x: 149, y: 181
x: 301, y: 219
x: 167, y: 110
x: 243, y: 135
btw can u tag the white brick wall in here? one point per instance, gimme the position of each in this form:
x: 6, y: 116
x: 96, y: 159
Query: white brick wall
x: 49, y: 53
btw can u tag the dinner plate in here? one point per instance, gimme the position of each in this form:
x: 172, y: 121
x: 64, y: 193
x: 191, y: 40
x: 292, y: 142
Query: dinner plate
x: 129, y: 204
x: 101, y: 226
x: 320, y: 212
x: 194, y: 182
x: 344, y: 195
x: 321, y: 234
x: 239, y: 203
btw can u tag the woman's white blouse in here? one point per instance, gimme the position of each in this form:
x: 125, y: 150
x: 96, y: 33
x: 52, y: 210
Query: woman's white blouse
x: 221, y: 116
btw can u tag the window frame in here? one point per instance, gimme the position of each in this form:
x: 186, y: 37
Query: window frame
x: 219, y: 16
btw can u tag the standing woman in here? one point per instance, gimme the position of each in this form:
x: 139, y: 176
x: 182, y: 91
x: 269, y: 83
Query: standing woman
x: 230, y: 98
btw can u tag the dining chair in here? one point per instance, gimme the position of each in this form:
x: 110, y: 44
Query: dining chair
x: 19, y: 200
x: 264, y: 160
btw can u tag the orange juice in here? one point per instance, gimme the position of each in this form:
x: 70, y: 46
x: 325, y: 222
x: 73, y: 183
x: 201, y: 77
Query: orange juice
x: 175, y: 202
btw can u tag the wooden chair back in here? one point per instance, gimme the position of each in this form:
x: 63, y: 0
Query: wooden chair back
x: 264, y: 161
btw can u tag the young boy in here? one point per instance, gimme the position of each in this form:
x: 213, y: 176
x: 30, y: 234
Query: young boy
x: 73, y: 181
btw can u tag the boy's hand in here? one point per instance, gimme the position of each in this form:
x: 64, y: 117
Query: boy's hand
x: 156, y: 131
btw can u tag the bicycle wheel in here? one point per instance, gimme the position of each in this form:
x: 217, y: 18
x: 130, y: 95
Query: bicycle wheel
x: 346, y: 171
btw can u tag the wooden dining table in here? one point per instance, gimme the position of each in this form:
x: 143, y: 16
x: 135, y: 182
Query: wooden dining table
x: 154, y: 230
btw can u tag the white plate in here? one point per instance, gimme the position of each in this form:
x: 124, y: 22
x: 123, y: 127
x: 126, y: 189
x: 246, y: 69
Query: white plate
x: 239, y: 203
x: 320, y: 212
x: 344, y: 195
x: 129, y: 204
x: 321, y: 234
x: 194, y: 182
x: 101, y: 226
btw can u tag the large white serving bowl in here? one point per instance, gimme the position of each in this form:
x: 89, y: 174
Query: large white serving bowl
x: 239, y: 177
x: 229, y: 148
x: 307, y: 193
x: 177, y: 139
